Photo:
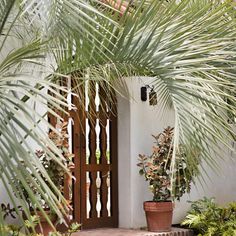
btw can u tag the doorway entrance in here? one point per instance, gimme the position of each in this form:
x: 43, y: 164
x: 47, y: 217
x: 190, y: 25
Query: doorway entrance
x: 93, y: 128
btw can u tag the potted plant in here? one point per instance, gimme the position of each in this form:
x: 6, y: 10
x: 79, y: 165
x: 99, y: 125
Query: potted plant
x: 16, y: 230
x: 57, y: 175
x: 165, y: 184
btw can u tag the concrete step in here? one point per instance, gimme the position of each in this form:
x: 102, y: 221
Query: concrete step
x: 129, y: 232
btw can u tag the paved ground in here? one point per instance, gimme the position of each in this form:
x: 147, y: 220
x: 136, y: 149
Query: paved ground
x: 127, y: 232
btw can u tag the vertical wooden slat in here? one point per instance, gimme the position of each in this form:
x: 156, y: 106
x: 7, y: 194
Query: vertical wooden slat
x: 78, y: 143
x: 67, y: 184
x: 92, y: 148
x: 103, y: 150
x: 103, y: 123
x: 93, y: 195
x: 114, y: 162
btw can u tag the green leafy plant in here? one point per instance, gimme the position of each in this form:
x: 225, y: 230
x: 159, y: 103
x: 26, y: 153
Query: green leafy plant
x: 56, y: 170
x: 74, y: 227
x: 156, y: 169
x: 209, y: 219
x: 30, y: 34
x: 29, y: 224
x: 15, y: 230
x: 32, y: 222
x: 189, y: 51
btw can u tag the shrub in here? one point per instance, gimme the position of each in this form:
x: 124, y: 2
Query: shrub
x: 157, y: 168
x: 208, y: 219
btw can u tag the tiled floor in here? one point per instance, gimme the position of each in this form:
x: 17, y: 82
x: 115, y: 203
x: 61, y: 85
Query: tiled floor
x: 127, y: 232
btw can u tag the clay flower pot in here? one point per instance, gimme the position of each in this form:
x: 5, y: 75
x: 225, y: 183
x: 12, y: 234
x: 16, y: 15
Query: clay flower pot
x: 45, y: 228
x: 159, y: 216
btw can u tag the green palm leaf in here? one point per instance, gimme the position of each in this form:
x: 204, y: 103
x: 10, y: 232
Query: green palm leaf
x: 20, y: 126
x: 30, y: 32
x: 189, y: 48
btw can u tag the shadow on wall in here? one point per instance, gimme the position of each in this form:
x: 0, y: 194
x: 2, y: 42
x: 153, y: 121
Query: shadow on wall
x: 137, y: 121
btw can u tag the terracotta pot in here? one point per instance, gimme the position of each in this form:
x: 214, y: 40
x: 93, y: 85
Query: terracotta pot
x: 159, y: 216
x: 44, y: 227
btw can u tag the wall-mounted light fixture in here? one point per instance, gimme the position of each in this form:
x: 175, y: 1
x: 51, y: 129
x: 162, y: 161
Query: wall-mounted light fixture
x: 152, y: 95
x: 144, y: 93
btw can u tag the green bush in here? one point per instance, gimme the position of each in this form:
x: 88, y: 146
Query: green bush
x: 207, y: 218
x: 15, y: 230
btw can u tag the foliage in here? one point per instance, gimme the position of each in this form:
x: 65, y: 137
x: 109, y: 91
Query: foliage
x: 74, y: 227
x: 181, y: 45
x: 56, y: 169
x: 209, y: 219
x: 32, y: 35
x: 187, y: 46
x: 29, y: 224
x: 156, y: 169
x: 15, y: 230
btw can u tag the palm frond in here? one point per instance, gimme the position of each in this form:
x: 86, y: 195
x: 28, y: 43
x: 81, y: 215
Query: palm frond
x: 19, y: 127
x: 5, y: 9
x: 189, y: 48
x: 22, y: 127
x: 60, y: 21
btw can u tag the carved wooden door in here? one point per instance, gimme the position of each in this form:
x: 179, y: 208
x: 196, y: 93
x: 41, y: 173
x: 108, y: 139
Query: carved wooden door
x: 94, y: 143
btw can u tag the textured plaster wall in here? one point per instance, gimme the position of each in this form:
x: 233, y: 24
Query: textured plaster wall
x: 136, y: 122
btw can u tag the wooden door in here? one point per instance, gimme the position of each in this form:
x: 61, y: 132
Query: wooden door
x: 94, y: 143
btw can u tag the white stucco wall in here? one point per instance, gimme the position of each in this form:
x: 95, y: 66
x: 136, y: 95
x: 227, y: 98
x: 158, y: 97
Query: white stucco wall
x: 136, y: 122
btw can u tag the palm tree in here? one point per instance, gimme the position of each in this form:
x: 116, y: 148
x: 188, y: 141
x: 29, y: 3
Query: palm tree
x: 30, y: 38
x: 187, y: 46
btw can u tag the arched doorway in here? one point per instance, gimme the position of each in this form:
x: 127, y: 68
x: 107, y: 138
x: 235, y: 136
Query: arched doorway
x: 93, y: 128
